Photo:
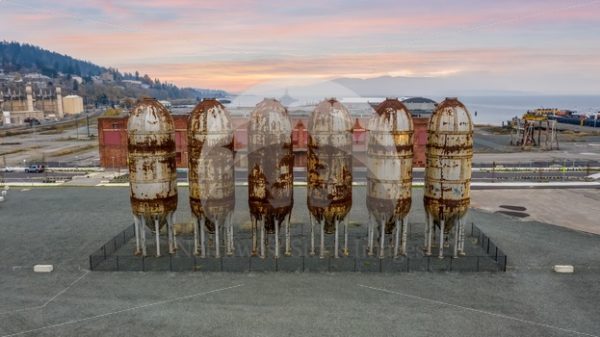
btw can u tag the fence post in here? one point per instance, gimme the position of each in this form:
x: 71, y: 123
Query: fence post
x: 478, y: 263
x: 496, y: 253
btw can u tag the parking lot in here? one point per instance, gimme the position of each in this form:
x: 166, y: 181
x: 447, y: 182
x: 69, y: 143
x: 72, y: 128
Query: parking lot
x: 69, y: 223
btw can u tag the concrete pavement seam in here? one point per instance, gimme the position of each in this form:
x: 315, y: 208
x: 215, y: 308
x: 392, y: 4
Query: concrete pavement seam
x: 50, y: 300
x: 120, y: 311
x: 489, y: 313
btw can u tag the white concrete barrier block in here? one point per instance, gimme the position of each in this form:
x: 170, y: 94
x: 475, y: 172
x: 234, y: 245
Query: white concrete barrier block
x: 43, y: 268
x: 564, y: 269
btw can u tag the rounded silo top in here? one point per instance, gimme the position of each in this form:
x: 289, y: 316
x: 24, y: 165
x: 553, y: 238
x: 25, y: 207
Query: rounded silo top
x: 209, y: 116
x: 330, y: 116
x: 149, y: 116
x: 270, y: 116
x: 451, y: 116
x: 391, y: 116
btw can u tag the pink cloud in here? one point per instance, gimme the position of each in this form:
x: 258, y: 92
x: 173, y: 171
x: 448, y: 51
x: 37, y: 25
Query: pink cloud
x: 243, y: 74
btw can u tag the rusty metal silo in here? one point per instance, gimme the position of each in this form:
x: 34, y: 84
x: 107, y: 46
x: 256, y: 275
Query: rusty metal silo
x: 448, y: 173
x: 270, y: 173
x: 211, y: 174
x: 152, y: 171
x: 329, y: 171
x: 389, y: 174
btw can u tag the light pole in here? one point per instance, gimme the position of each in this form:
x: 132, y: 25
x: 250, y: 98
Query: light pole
x: 87, y: 120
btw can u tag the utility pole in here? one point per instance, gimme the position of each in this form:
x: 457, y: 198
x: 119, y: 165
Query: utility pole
x: 87, y: 119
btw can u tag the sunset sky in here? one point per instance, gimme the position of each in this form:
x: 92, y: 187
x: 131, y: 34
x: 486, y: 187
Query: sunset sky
x: 233, y: 45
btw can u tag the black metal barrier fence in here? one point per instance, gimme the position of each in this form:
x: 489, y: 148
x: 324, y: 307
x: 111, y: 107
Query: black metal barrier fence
x: 490, y: 259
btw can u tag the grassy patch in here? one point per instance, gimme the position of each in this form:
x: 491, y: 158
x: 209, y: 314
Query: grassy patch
x: 11, y: 152
x: 53, y: 132
x: 69, y: 151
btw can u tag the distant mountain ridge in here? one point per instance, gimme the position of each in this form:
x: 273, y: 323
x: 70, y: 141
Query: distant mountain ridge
x: 15, y: 56
x: 27, y: 58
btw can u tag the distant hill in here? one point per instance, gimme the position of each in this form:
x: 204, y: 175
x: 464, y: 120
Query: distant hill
x: 100, y: 85
x: 25, y: 57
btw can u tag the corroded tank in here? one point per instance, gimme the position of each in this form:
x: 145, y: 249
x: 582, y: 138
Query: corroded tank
x: 329, y: 168
x: 152, y: 170
x: 449, y: 154
x: 270, y: 173
x: 389, y: 174
x: 211, y: 173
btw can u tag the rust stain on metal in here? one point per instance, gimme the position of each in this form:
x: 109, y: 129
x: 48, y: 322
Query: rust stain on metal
x: 151, y: 158
x: 389, y: 163
x: 448, y: 170
x: 211, y: 162
x: 270, y: 163
x: 329, y: 163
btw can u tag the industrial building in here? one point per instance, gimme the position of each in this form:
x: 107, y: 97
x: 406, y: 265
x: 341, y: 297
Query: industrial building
x: 18, y: 106
x: 112, y: 135
x: 73, y: 105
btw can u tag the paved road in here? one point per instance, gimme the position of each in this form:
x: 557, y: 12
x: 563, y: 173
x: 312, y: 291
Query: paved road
x: 359, y: 176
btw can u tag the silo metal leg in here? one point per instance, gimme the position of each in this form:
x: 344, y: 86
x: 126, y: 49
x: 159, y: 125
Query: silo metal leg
x: 157, y: 235
x: 254, y: 243
x: 196, y: 236
x: 461, y: 245
x: 456, y: 238
x: 262, y: 238
x: 230, y: 243
x: 322, y: 251
x: 276, y: 238
x: 426, y: 235
x: 312, y: 235
x: 171, y: 233
x: 288, y: 236
x: 202, y: 237
x: 232, y: 233
x: 136, y: 225
x: 346, y: 252
x: 335, y: 239
x: 429, y: 235
x: 397, y: 231
x: 441, y: 255
x: 143, y: 235
x: 225, y: 237
x: 382, y: 239
x: 217, y: 243
x: 404, y: 225
x: 370, y: 236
